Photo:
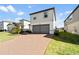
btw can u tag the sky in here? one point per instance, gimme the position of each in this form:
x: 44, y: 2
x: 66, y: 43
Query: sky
x: 16, y: 12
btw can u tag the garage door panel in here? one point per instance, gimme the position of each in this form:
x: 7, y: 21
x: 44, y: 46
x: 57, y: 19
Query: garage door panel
x: 41, y: 29
x: 44, y: 29
x: 36, y: 29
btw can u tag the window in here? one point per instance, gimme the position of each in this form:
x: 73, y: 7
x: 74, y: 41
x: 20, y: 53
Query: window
x: 45, y: 15
x: 34, y: 18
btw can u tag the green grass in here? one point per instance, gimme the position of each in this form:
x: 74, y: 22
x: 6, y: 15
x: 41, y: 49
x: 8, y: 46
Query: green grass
x: 4, y: 36
x: 64, y: 44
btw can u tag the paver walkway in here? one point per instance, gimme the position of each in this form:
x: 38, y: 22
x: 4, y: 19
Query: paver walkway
x: 31, y: 44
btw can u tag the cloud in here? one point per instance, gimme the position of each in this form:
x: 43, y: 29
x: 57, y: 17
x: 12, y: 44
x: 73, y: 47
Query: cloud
x: 20, y: 13
x: 61, y: 14
x: 11, y: 8
x: 64, y: 13
x: 8, y: 8
x: 67, y: 12
x: 3, y: 8
x: 17, y: 19
x: 29, y: 7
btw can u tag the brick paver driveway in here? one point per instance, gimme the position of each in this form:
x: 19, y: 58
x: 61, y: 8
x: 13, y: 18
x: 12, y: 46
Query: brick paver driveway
x: 25, y: 44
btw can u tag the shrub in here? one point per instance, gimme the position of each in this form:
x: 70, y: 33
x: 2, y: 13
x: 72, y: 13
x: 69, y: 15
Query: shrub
x: 65, y: 31
x: 15, y: 30
x: 56, y: 32
x: 1, y: 30
x: 29, y: 31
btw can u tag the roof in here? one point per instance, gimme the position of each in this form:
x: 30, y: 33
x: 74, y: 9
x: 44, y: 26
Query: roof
x: 42, y: 11
x: 72, y: 12
x: 24, y: 20
x: 6, y: 21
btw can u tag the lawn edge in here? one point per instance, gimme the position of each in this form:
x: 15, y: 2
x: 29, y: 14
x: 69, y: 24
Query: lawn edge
x: 46, y: 48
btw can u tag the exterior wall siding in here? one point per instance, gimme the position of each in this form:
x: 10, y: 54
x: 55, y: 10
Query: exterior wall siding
x: 73, y: 28
x: 25, y: 25
x: 41, y: 20
x: 72, y: 25
x: 3, y: 25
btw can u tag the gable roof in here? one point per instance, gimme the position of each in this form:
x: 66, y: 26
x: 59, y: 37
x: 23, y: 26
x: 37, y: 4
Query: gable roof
x: 42, y: 11
x: 25, y: 20
x: 72, y: 12
x: 6, y: 21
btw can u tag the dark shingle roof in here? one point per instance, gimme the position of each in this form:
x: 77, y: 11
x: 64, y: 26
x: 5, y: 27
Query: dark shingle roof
x: 24, y: 20
x: 72, y: 12
x: 41, y: 11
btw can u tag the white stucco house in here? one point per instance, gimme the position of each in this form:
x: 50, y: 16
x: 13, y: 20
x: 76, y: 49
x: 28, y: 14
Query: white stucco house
x: 43, y: 21
x: 3, y: 25
x: 25, y: 25
x: 7, y: 25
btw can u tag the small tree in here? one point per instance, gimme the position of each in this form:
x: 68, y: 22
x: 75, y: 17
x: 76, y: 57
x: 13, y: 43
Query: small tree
x: 16, y: 29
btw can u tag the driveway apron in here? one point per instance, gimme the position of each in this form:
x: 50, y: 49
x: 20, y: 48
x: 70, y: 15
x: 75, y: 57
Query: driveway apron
x: 31, y: 44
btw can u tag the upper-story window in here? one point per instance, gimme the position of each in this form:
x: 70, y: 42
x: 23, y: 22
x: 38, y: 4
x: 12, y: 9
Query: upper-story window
x: 45, y: 15
x: 34, y: 18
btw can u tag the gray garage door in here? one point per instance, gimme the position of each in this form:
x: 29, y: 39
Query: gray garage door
x: 41, y: 29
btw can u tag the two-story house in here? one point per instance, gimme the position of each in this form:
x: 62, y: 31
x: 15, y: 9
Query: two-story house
x: 71, y: 24
x: 43, y: 21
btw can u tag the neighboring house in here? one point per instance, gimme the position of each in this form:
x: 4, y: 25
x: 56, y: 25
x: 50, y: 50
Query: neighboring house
x: 3, y: 25
x: 43, y: 21
x: 25, y: 25
x: 71, y: 24
x: 10, y: 26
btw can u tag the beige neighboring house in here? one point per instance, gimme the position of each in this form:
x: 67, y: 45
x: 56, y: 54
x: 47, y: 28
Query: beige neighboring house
x: 71, y: 24
x: 43, y: 21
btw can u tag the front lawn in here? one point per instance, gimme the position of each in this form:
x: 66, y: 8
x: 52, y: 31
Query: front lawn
x: 64, y: 44
x: 4, y: 36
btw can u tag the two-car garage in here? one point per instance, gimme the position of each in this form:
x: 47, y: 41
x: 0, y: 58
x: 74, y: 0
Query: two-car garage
x: 42, y: 29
